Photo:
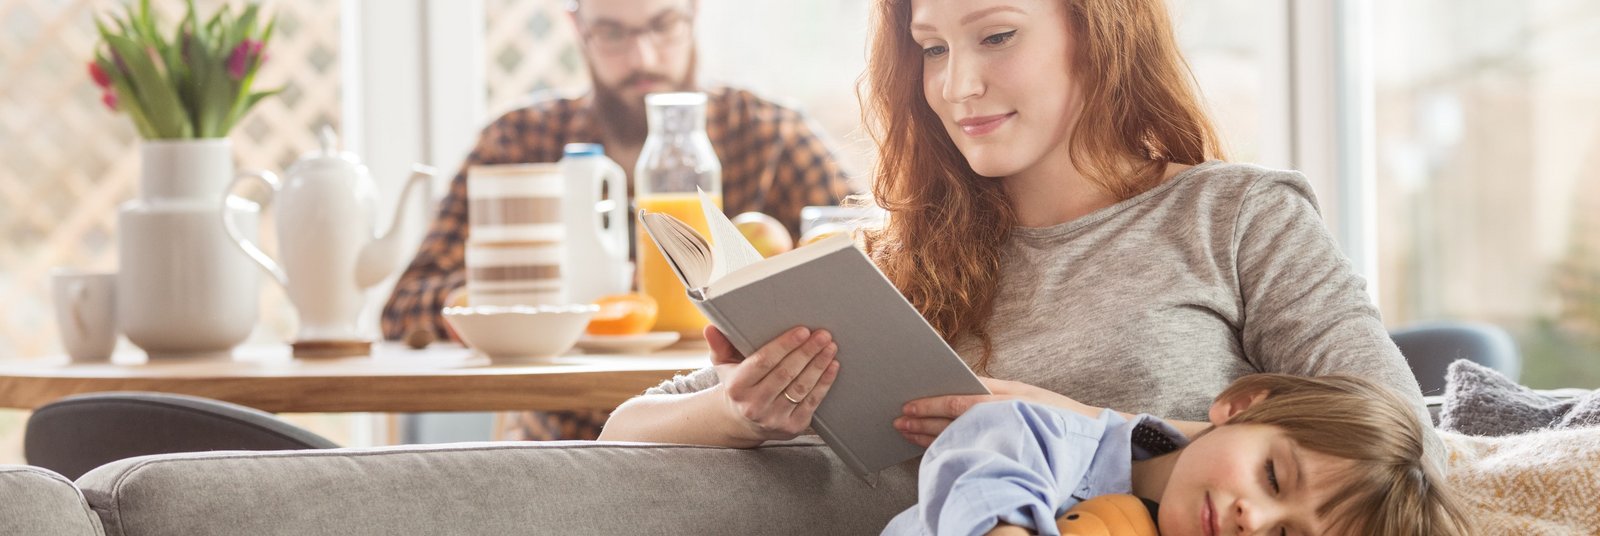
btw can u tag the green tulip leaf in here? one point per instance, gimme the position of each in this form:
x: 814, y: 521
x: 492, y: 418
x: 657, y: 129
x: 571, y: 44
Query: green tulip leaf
x: 181, y: 86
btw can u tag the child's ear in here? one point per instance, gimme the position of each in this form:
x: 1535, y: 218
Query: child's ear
x: 1224, y: 409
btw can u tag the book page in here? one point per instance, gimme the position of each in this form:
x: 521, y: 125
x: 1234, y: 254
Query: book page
x: 685, y: 250
x: 730, y: 250
x: 779, y: 263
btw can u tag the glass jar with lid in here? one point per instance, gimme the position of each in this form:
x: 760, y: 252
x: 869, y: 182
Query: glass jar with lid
x: 675, y: 163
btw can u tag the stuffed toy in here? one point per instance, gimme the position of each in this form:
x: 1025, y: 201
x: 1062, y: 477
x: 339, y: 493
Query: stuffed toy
x: 1109, y: 515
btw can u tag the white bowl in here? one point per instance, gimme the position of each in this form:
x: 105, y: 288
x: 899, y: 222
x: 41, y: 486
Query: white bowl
x: 520, y: 331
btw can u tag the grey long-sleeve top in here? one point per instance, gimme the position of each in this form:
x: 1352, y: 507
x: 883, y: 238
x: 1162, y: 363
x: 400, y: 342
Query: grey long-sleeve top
x: 1155, y: 304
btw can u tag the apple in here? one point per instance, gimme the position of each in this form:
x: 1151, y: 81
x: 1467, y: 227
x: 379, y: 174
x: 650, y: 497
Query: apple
x: 764, y: 232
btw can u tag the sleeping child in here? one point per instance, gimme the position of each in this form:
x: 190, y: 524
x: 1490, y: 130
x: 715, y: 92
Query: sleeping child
x: 1285, y: 456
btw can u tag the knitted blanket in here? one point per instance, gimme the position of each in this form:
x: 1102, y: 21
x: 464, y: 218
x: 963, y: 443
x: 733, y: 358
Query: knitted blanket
x: 1543, y: 482
x: 1480, y: 401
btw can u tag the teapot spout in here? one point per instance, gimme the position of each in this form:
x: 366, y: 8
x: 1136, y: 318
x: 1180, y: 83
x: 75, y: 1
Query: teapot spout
x: 381, y: 256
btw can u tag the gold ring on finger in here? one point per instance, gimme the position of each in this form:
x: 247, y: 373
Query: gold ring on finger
x: 792, y: 399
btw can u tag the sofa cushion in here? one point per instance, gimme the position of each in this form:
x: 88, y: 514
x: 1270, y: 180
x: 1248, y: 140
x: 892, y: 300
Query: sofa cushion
x: 37, y: 501
x: 569, y: 487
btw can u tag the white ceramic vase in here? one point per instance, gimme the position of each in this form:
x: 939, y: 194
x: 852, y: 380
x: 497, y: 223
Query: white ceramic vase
x: 183, y: 289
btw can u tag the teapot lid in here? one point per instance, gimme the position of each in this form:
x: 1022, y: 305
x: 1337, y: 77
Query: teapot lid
x: 327, y: 153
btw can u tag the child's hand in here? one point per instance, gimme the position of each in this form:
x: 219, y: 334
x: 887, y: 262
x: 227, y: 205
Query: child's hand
x: 925, y: 418
x: 773, y: 393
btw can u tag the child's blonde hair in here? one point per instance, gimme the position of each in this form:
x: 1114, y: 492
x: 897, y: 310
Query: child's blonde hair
x: 1391, y: 488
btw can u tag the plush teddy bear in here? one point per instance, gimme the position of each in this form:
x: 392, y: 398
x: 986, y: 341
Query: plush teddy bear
x: 1108, y: 515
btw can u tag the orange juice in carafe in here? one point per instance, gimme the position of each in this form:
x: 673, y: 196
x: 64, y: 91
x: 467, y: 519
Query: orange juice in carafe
x: 675, y: 164
x: 656, y: 277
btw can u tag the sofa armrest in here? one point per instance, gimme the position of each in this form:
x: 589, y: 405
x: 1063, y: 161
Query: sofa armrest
x: 570, y: 487
x: 34, y: 500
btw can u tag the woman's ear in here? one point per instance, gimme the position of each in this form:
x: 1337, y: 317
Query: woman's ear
x: 1224, y: 409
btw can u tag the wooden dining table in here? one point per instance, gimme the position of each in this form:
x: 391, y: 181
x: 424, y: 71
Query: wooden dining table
x: 394, y: 379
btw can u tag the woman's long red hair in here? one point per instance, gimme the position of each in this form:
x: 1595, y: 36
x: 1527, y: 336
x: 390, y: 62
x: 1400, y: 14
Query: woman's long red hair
x: 940, y: 245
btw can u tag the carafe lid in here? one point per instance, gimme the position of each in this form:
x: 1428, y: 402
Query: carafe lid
x: 676, y: 113
x: 687, y: 98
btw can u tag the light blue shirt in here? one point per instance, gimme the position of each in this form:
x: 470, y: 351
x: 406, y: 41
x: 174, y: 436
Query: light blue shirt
x: 1025, y: 464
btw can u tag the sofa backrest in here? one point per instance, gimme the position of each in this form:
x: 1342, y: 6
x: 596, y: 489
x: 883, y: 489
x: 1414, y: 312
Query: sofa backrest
x: 37, y: 501
x: 566, y: 487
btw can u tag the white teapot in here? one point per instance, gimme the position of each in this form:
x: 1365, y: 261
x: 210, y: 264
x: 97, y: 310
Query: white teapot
x: 326, y: 218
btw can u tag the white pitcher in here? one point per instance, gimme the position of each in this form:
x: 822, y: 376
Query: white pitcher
x: 594, y: 260
x: 326, y: 221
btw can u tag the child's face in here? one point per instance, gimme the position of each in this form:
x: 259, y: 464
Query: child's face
x: 1248, y: 479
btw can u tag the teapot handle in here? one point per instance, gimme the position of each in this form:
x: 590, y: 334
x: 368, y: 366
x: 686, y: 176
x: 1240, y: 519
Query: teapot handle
x: 232, y: 203
x: 615, y: 237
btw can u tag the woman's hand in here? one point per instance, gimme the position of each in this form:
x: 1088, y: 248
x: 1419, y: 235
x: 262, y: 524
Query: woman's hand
x: 925, y: 418
x: 773, y: 393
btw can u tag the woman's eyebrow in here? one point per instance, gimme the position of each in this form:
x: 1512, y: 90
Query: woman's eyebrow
x: 968, y: 18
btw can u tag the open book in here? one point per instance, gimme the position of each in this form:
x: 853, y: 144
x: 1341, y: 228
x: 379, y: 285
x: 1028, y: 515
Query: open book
x: 888, y: 354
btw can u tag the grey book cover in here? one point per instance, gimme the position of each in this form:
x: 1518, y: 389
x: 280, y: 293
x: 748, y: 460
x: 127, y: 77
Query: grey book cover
x: 888, y: 354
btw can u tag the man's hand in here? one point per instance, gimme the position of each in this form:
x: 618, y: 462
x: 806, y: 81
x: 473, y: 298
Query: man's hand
x: 925, y: 418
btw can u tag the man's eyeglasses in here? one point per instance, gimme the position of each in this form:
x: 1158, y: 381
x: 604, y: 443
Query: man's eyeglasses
x: 669, y: 28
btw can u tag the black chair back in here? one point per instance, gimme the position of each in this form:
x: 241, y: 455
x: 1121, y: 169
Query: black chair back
x: 78, y: 433
x: 1430, y: 348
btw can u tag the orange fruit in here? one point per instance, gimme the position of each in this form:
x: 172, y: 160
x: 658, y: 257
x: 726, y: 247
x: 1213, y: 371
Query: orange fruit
x: 624, y: 314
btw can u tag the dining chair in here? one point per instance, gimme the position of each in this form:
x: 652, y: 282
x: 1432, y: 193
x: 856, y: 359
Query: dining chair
x: 1429, y: 349
x: 77, y: 433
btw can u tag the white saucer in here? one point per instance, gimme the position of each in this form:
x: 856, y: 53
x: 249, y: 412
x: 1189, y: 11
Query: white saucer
x: 627, y: 344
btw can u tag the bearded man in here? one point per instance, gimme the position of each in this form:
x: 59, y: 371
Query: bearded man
x: 773, y: 161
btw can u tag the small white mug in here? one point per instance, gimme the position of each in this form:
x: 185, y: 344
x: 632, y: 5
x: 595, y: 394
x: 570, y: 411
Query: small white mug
x: 86, y: 312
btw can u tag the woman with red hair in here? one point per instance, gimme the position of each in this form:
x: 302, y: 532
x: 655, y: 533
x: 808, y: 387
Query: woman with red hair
x: 1060, y: 212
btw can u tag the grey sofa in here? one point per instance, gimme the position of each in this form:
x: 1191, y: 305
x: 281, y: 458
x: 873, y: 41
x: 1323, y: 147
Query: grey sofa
x: 795, y: 487
x: 39, y: 501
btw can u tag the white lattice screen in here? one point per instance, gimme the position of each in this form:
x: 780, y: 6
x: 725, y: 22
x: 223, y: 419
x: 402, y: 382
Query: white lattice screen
x: 66, y: 162
x: 531, y: 47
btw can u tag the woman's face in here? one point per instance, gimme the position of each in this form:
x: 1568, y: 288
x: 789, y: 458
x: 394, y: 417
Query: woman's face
x: 998, y: 74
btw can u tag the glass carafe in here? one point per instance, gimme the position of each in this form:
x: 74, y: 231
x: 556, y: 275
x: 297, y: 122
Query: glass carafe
x: 677, y: 158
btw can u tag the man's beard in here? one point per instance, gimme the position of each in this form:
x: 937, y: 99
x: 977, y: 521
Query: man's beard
x: 623, y: 119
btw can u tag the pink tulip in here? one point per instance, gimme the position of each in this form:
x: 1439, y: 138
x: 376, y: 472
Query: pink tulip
x: 99, y: 75
x: 122, y: 67
x: 110, y: 98
x: 242, y: 57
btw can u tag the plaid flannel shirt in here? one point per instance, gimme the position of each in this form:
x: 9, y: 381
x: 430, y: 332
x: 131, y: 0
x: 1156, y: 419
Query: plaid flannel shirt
x: 773, y: 161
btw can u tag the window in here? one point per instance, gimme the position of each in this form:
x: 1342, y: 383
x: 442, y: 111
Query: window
x: 1488, y: 127
x: 530, y: 47
x: 1230, y: 46
x: 66, y: 162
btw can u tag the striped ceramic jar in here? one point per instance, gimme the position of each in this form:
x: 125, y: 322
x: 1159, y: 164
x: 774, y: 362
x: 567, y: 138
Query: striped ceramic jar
x: 513, y: 251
